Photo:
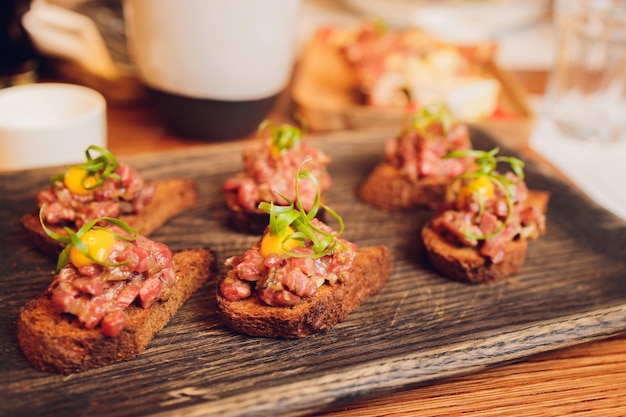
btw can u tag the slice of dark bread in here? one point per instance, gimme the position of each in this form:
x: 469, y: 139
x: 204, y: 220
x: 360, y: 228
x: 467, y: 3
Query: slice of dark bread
x: 170, y: 198
x: 388, y: 188
x: 319, y: 313
x: 55, y: 342
x: 465, y: 264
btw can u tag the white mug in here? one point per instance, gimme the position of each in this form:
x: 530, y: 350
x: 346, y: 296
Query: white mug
x: 49, y: 124
x: 204, y: 59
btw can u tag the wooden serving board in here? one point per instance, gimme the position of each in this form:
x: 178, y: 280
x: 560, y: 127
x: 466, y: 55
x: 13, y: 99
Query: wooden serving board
x: 421, y: 328
x: 323, y: 90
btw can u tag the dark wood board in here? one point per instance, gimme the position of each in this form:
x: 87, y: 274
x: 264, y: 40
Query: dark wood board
x: 421, y: 328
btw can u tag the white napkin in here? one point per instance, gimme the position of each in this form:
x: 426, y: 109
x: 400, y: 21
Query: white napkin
x: 599, y: 170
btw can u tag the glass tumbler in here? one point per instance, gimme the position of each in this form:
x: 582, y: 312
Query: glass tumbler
x: 586, y: 95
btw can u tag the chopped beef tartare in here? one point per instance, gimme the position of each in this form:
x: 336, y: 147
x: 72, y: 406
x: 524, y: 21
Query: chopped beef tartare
x: 419, y: 149
x: 486, y: 210
x: 131, y: 271
x: 101, y: 187
x: 282, y: 279
x: 270, y: 168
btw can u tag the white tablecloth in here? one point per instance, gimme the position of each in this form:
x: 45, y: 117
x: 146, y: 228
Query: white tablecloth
x: 599, y: 170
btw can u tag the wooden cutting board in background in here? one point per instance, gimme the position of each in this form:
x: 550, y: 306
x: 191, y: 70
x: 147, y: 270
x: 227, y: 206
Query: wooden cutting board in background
x: 324, y: 93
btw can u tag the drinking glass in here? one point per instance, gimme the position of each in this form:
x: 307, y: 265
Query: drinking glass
x: 586, y: 95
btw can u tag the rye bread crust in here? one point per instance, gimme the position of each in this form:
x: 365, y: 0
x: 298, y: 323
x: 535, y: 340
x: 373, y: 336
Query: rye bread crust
x: 465, y: 264
x: 320, y: 313
x: 171, y: 197
x: 55, y: 342
x: 387, y: 188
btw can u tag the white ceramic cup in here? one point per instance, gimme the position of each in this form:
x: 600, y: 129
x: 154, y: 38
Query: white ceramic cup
x: 216, y: 55
x: 49, y: 124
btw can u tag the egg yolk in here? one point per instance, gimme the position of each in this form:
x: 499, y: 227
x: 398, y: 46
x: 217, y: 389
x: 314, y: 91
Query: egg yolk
x: 480, y: 189
x: 274, y: 151
x: 278, y: 244
x: 78, y: 181
x: 99, y: 242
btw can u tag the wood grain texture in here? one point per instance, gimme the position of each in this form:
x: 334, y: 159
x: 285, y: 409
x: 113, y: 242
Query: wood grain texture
x: 583, y: 380
x: 420, y: 329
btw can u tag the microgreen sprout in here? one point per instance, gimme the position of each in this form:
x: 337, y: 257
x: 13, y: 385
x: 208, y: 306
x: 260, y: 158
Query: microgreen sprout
x: 97, y: 168
x: 487, y: 163
x: 283, y: 137
x: 73, y: 239
x: 429, y: 116
x: 380, y: 26
x: 295, y: 217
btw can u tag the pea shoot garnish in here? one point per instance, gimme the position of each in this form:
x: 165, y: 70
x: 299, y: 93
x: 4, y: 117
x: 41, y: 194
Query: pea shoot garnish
x: 380, y: 26
x: 479, y: 184
x: 429, y: 116
x: 284, y: 137
x: 84, y: 178
x: 291, y: 226
x: 91, y: 244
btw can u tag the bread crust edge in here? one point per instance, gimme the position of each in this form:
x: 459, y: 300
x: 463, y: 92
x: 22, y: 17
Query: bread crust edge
x: 55, y: 342
x: 317, y: 314
x: 387, y: 188
x: 465, y: 264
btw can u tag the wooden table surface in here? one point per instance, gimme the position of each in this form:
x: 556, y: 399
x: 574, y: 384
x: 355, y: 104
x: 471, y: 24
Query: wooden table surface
x: 589, y: 379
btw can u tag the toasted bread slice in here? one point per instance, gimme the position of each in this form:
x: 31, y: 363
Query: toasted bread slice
x: 319, y: 313
x: 170, y: 198
x: 389, y: 189
x: 465, y: 264
x: 55, y: 342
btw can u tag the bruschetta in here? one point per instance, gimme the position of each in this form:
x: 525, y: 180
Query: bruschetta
x: 414, y: 173
x: 481, y: 234
x: 113, y: 291
x: 300, y: 278
x: 102, y: 186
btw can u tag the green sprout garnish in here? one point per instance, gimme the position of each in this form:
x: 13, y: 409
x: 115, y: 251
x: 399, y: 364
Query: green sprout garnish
x: 284, y: 137
x: 486, y: 169
x: 73, y: 239
x: 295, y: 217
x: 429, y: 116
x: 97, y: 169
x: 380, y: 25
